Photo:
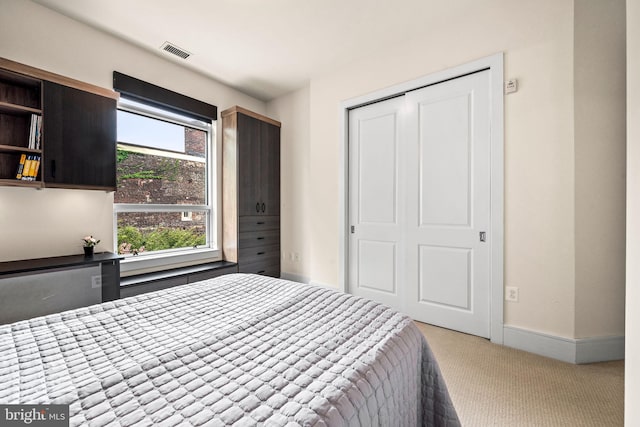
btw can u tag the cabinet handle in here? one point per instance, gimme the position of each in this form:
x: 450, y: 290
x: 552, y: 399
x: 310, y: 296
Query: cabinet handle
x: 261, y: 271
x: 258, y: 207
x: 263, y: 207
x: 260, y: 253
x: 260, y: 223
x: 260, y: 238
x: 53, y: 168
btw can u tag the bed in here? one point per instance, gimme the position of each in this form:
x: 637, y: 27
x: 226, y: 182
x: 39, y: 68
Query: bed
x: 238, y: 350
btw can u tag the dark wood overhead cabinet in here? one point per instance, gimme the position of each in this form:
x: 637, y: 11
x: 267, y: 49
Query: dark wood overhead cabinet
x: 75, y: 141
x: 80, y: 143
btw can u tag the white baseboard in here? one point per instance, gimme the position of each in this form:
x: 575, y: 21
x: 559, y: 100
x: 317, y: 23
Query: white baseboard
x: 322, y: 285
x: 599, y: 349
x: 577, y: 351
x: 294, y: 277
x: 303, y: 279
x: 581, y: 350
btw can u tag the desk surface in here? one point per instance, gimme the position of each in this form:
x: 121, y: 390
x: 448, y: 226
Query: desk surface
x: 33, y: 265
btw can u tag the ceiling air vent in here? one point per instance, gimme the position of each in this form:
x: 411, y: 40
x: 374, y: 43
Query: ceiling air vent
x: 175, y: 50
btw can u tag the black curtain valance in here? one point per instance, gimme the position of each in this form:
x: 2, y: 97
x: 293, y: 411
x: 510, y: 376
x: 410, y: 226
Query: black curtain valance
x: 147, y: 93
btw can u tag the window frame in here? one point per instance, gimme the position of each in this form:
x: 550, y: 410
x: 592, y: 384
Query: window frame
x: 173, y: 258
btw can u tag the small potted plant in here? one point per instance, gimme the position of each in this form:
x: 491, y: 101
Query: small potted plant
x: 88, y: 243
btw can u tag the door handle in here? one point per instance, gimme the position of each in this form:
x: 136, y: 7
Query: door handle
x: 483, y: 236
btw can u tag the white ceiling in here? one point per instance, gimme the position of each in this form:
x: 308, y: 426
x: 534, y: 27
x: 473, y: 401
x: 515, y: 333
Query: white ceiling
x: 264, y: 48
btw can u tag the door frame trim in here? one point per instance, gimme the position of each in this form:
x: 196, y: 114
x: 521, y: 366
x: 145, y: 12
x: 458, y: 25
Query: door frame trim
x: 494, y: 63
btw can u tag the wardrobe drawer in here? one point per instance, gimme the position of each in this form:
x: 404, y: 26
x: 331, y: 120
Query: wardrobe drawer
x: 257, y: 253
x: 256, y: 223
x: 269, y: 267
x: 251, y: 239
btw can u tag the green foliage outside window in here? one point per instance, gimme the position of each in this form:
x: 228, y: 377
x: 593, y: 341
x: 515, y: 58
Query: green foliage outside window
x: 132, y: 165
x: 132, y: 240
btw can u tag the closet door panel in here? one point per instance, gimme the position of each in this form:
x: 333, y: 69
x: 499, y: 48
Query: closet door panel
x: 419, y: 203
x: 249, y: 163
x: 445, y: 168
x: 448, y: 256
x: 270, y: 170
x: 377, y: 203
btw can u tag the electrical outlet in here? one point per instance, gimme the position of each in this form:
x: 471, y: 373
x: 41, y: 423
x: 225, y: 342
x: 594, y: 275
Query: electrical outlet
x: 511, y: 294
x: 96, y: 282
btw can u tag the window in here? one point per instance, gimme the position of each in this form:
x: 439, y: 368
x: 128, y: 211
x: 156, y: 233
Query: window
x: 164, y: 205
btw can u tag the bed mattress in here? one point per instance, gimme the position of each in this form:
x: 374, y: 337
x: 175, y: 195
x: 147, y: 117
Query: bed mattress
x: 238, y: 350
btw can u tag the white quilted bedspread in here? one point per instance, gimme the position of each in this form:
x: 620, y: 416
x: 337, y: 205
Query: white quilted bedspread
x: 238, y: 350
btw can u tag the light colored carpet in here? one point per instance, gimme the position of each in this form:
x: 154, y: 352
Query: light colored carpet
x: 492, y: 385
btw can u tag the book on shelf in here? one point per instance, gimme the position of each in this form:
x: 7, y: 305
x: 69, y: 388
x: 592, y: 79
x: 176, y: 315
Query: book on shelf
x: 35, y: 166
x: 32, y: 132
x: 28, y: 167
x: 35, y: 131
x: 38, y: 131
x: 23, y: 158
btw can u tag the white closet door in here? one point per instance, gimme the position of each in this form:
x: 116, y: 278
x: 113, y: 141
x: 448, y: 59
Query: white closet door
x: 377, y: 208
x: 448, y: 180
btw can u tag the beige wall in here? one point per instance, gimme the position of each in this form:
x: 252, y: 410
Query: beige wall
x: 293, y: 111
x: 539, y: 173
x: 51, y: 222
x: 551, y: 147
x: 555, y: 139
x: 632, y: 349
x: 600, y: 153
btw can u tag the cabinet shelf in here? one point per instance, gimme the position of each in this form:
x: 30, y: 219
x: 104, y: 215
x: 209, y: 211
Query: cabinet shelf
x: 20, y: 183
x: 8, y: 108
x: 20, y: 101
x: 17, y: 149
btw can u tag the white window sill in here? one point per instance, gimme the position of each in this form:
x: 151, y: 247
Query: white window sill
x: 148, y: 263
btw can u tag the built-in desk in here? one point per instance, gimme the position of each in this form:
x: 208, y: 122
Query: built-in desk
x: 36, y: 287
